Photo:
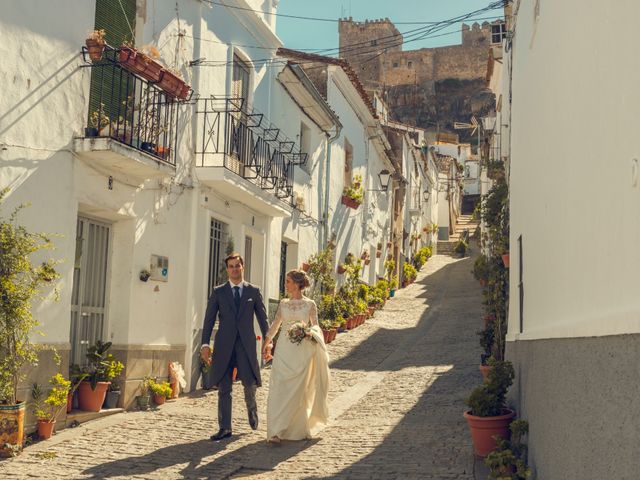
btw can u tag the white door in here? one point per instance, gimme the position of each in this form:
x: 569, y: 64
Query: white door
x: 88, y: 298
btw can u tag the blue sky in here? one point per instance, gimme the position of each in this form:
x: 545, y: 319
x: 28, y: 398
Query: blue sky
x: 309, y: 34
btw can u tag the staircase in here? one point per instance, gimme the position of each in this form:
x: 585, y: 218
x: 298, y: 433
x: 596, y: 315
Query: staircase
x: 465, y: 222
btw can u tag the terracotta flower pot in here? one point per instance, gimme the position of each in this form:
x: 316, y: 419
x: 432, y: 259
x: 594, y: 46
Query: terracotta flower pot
x: 173, y: 85
x: 69, y: 402
x: 505, y: 259
x: 159, y: 399
x: 334, y: 332
x: 378, y: 253
x: 341, y: 269
x: 484, y: 428
x: 45, y: 429
x: 11, y: 426
x: 305, y: 267
x: 91, y: 400
x: 95, y: 49
x: 484, y: 370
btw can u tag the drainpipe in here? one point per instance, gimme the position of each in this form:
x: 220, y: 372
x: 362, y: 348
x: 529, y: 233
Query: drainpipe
x: 325, y: 221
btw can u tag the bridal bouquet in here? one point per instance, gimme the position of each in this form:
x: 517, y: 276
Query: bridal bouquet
x: 297, y: 332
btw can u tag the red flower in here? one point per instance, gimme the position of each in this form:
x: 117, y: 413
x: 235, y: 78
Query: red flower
x: 258, y: 337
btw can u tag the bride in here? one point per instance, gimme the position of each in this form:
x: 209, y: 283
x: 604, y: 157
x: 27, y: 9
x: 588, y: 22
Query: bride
x: 299, y: 381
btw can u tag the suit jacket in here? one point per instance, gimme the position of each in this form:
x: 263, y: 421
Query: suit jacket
x: 234, y: 323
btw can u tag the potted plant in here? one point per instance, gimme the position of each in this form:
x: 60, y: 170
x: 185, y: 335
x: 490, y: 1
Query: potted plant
x: 21, y: 283
x: 101, y: 369
x: 505, y: 259
x: 143, y: 61
x: 97, y: 121
x: 409, y: 273
x: 143, y: 399
x: 460, y: 248
x: 305, y: 267
x: 488, y: 415
x: 46, y: 410
x: 393, y: 285
x: 172, y: 83
x: 161, y: 391
x: 96, y: 44
x: 509, y: 459
x: 352, y: 195
x: 481, y: 270
x: 113, y: 395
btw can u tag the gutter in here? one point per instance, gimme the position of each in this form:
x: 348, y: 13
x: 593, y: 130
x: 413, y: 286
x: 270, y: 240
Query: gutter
x: 324, y: 240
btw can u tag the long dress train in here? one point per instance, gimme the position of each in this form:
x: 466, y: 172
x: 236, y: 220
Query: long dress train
x: 299, y: 382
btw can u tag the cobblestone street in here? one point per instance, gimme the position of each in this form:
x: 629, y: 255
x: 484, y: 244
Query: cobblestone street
x: 397, y: 397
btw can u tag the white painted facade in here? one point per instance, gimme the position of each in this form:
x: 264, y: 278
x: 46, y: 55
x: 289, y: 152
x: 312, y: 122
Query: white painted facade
x: 152, y: 208
x: 570, y: 290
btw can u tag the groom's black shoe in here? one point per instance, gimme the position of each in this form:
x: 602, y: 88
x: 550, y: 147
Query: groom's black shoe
x: 222, y: 433
x: 253, y: 419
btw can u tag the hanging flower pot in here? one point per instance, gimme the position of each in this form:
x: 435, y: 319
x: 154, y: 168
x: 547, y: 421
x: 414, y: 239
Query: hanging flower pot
x: 505, y: 259
x: 96, y: 45
x: 341, y: 269
x: 378, y: 253
x: 173, y: 85
x: 484, y: 370
x: 305, y: 267
x: 137, y: 62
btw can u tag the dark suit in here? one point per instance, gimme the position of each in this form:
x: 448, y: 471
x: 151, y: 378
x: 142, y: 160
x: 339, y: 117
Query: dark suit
x: 234, y: 345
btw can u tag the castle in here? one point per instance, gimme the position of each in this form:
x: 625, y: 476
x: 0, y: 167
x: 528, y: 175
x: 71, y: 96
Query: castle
x: 430, y: 87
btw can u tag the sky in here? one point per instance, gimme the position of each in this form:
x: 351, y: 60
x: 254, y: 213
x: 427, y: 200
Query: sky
x: 310, y: 34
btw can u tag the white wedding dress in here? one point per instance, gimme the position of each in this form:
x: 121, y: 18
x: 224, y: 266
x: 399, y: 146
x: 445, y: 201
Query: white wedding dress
x: 299, y: 382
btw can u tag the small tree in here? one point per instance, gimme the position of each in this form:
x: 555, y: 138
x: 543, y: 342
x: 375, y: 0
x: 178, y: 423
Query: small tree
x: 21, y: 283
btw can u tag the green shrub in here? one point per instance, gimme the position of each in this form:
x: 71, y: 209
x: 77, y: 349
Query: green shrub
x: 488, y: 400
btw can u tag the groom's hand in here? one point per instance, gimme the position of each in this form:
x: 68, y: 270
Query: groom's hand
x: 205, y: 354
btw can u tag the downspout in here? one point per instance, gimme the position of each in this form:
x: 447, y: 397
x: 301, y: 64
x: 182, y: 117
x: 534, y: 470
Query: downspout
x: 325, y: 234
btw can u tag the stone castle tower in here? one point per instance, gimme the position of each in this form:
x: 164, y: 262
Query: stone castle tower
x: 430, y: 87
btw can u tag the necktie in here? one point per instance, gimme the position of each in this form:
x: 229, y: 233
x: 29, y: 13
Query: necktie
x: 236, y: 296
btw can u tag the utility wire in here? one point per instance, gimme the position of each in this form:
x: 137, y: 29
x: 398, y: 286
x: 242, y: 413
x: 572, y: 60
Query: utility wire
x: 300, y: 17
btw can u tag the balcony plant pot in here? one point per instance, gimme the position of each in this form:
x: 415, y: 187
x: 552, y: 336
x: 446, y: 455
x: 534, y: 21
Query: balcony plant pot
x: 505, y: 259
x: 148, y: 147
x: 173, y: 85
x: 95, y: 49
x: 91, y: 132
x: 136, y: 62
x: 483, y: 430
x: 45, y: 428
x: 11, y: 427
x: 163, y: 152
x: 143, y: 401
x: 111, y: 400
x: 91, y: 400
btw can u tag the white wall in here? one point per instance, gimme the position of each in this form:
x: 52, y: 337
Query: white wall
x: 575, y: 197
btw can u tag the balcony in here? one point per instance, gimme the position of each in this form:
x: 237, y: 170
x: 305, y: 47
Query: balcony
x: 132, y: 124
x: 244, y: 157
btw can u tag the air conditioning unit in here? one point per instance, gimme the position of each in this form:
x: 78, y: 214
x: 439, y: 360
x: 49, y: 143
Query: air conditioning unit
x: 159, y: 268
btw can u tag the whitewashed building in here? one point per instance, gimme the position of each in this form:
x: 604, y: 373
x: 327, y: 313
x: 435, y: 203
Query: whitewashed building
x: 574, y: 309
x: 253, y: 158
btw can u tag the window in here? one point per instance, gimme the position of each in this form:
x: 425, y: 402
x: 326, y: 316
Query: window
x: 348, y: 163
x: 374, y: 43
x: 498, y: 32
x: 247, y: 258
x: 240, y: 80
x: 409, y: 64
x: 305, y: 145
x: 395, y: 64
x: 218, y: 244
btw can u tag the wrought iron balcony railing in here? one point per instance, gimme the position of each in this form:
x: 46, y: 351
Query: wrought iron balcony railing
x: 131, y: 109
x: 246, y: 144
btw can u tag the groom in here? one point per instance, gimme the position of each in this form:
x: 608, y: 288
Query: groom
x: 235, y: 302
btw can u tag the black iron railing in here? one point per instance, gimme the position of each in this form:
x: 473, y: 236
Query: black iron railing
x: 130, y: 109
x: 245, y: 143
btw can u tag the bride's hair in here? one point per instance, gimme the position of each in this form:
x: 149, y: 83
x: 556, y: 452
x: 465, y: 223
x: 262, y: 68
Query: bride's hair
x: 299, y: 278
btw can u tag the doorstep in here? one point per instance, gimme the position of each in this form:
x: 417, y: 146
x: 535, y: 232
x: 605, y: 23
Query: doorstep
x: 80, y: 416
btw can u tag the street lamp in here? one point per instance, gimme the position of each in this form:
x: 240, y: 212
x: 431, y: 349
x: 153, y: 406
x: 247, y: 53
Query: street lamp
x: 384, y: 177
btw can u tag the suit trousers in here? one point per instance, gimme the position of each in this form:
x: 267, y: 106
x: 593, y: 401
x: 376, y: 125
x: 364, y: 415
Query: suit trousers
x: 239, y: 360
